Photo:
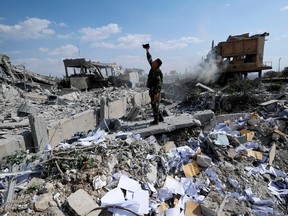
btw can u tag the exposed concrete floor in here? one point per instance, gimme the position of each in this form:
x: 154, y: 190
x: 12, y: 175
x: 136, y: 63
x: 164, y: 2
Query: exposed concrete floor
x: 171, y: 123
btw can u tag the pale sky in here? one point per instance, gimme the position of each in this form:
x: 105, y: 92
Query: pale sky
x: 40, y: 34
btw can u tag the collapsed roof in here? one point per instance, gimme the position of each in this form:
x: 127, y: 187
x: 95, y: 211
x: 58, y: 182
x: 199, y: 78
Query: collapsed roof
x: 92, y: 67
x: 17, y: 74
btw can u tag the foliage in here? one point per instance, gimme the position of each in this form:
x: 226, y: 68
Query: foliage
x: 285, y: 72
x: 276, y: 87
x: 271, y: 74
x: 242, y: 86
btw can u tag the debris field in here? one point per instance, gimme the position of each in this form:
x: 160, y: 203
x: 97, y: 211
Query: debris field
x: 218, y: 151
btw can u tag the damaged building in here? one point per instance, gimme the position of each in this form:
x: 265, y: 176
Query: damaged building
x: 240, y: 55
x: 87, y: 74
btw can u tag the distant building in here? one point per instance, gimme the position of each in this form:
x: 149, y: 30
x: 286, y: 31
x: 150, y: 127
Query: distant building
x: 173, y: 73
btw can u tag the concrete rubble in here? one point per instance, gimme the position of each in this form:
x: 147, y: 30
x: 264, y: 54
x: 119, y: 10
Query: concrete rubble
x: 93, y: 152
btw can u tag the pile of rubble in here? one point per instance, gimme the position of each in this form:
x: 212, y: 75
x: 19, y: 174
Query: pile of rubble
x: 234, y: 166
x: 54, y: 106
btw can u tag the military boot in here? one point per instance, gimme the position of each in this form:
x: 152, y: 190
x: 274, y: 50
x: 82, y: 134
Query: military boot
x: 160, y: 117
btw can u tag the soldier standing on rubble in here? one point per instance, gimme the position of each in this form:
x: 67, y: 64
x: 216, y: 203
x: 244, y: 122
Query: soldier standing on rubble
x: 154, y: 83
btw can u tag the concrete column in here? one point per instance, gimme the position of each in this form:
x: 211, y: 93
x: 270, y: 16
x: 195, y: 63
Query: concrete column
x: 66, y: 72
x: 39, y: 132
x: 104, y: 112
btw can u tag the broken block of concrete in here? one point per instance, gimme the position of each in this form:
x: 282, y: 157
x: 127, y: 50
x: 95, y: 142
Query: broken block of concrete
x: 81, y: 203
x: 133, y: 113
x: 203, y: 160
x: 39, y: 132
x: 25, y: 109
x: 55, y: 211
x: 270, y: 105
x: 52, y: 99
x: 204, y: 116
x: 43, y: 202
x: 11, y: 144
x: 211, y: 204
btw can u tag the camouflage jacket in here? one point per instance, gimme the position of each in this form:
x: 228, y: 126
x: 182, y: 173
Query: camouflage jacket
x: 155, y: 77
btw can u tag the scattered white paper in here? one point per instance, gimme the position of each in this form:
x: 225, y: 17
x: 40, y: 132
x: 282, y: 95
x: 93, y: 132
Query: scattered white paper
x: 150, y: 157
x: 98, y: 135
x: 189, y: 187
x: 233, y: 182
x: 214, y: 177
x: 129, y: 195
x: 182, y: 201
x: 257, y: 201
x: 185, y: 151
x: 142, y: 197
x: 113, y: 197
x: 174, y: 186
x: 123, y: 135
x: 237, y: 196
x: 164, y: 194
x: 262, y: 169
x: 173, y: 211
x: 99, y: 181
x: 222, y: 127
x: 151, y: 187
x: 262, y: 210
x: 276, y: 190
x: 128, y: 184
x: 131, y: 205
x: 251, y: 145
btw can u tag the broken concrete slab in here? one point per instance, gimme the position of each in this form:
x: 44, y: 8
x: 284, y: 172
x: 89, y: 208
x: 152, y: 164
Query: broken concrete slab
x: 211, y: 204
x: 55, y: 211
x: 39, y: 132
x: 81, y: 202
x: 133, y: 113
x: 53, y: 99
x: 204, y: 116
x: 12, y: 144
x: 270, y: 105
x: 170, y: 123
x: 43, y: 202
x: 203, y: 160
x: 25, y: 109
x: 66, y: 128
x: 12, y: 125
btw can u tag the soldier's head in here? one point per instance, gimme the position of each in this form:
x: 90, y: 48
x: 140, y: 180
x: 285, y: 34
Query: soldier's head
x: 157, y: 63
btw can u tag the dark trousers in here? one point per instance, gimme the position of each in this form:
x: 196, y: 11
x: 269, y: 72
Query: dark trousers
x: 155, y: 100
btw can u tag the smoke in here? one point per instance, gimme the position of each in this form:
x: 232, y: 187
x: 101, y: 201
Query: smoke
x: 209, y: 70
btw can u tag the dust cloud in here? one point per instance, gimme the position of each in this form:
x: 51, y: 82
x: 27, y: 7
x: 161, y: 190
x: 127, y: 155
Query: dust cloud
x: 208, y: 71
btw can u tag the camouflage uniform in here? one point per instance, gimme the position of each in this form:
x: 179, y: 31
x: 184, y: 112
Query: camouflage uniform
x: 154, y: 83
